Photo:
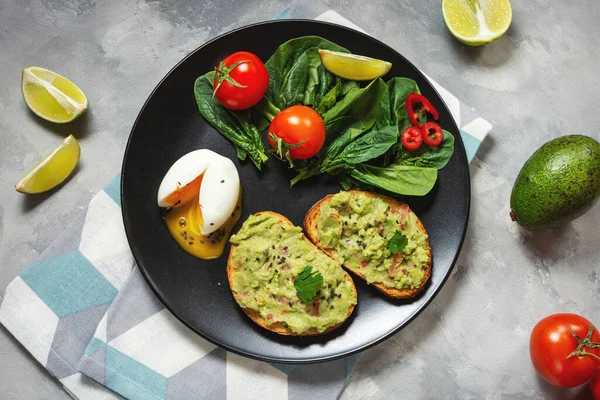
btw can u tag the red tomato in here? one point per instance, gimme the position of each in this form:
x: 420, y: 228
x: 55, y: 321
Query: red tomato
x: 551, y: 343
x: 411, y: 138
x: 595, y: 386
x: 241, y: 81
x: 295, y: 125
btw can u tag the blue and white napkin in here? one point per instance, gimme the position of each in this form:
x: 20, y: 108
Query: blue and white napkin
x: 86, y: 314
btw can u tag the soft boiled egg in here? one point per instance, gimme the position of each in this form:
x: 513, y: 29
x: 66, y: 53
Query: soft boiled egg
x: 203, y: 195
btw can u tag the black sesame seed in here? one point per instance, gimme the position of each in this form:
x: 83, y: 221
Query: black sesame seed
x: 339, y: 296
x: 270, y: 265
x: 212, y: 223
x: 185, y: 238
x: 182, y: 234
x: 276, y: 271
x: 285, y: 247
x: 257, y: 259
x: 185, y: 232
x: 202, y: 241
x: 237, y: 207
x: 247, y: 259
x: 191, y: 238
x: 331, y: 308
x: 222, y: 181
x: 282, y: 259
x: 190, y: 243
x: 290, y: 304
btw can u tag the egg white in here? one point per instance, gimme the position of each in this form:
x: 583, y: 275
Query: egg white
x: 219, y: 190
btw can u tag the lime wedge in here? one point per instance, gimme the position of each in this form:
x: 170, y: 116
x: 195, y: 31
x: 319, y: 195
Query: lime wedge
x: 477, y: 22
x: 53, y: 169
x: 353, y: 67
x: 51, y: 96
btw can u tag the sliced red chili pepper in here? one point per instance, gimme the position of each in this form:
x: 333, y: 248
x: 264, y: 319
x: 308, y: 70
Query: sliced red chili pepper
x: 414, y: 99
x: 432, y: 134
x: 411, y: 138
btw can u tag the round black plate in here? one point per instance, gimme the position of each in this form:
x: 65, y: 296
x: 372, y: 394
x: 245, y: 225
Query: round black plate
x: 196, y: 291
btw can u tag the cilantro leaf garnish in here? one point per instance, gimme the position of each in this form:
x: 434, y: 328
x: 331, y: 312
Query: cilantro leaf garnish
x: 397, y: 243
x: 307, y: 284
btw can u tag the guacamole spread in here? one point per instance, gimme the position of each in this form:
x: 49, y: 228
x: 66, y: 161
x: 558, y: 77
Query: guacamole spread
x: 265, y: 263
x: 358, y: 227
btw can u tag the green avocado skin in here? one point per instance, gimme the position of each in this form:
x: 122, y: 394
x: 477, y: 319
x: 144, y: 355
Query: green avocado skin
x: 559, y: 182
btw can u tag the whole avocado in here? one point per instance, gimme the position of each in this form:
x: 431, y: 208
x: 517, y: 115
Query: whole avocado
x: 559, y: 182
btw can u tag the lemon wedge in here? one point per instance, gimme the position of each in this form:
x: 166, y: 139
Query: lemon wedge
x: 53, y: 169
x: 477, y: 22
x: 52, y: 96
x: 353, y: 67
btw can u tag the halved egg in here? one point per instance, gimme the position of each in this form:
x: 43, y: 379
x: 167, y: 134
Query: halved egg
x: 202, y: 192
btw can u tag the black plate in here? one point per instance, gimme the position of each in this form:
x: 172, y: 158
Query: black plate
x: 197, y: 291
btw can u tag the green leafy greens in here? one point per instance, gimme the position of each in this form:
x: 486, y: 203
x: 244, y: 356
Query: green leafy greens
x: 308, y: 283
x: 363, y: 122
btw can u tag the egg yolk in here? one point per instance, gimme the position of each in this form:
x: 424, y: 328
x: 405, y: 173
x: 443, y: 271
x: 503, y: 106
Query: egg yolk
x: 184, y: 223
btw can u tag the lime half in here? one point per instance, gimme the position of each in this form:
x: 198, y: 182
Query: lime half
x: 52, y: 96
x: 477, y: 22
x: 353, y: 67
x: 53, y: 169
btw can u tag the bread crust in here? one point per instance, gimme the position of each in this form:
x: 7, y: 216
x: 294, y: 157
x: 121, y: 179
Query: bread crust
x: 279, y: 327
x: 311, y: 221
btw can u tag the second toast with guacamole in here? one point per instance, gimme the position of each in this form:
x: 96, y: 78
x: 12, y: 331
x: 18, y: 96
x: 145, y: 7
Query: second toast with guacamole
x: 283, y: 282
x: 376, y: 237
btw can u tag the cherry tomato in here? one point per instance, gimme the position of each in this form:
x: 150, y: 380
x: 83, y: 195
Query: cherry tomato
x: 595, y: 386
x: 432, y: 134
x: 301, y: 129
x: 411, y: 138
x: 551, y: 344
x: 241, y: 81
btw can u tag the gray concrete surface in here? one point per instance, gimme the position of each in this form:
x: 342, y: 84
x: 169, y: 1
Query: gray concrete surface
x: 537, y: 82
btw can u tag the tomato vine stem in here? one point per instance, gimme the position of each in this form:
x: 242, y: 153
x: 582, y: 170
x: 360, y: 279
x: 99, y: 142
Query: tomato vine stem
x: 583, y: 343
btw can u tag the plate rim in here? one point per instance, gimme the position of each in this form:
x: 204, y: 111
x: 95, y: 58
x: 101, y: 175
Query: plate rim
x: 313, y: 360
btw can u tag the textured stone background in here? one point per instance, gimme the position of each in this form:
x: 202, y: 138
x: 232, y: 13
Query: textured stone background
x: 537, y: 82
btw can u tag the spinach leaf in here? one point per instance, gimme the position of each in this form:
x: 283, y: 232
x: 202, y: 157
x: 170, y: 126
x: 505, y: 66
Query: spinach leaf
x: 393, y: 102
x: 357, y: 105
x: 295, y: 71
x: 400, y: 179
x: 432, y: 157
x: 367, y: 147
x: 238, y: 127
x: 329, y: 99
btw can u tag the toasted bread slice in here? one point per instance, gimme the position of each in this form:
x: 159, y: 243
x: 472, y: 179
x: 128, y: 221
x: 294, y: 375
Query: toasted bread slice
x: 311, y: 222
x: 279, y: 327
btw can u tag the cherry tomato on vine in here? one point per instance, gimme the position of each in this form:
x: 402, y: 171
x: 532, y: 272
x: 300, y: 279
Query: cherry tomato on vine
x: 297, y: 133
x: 564, y: 350
x: 411, y: 138
x: 241, y: 81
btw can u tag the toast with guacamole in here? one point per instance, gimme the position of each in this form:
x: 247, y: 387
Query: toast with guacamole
x: 283, y: 282
x: 376, y: 237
